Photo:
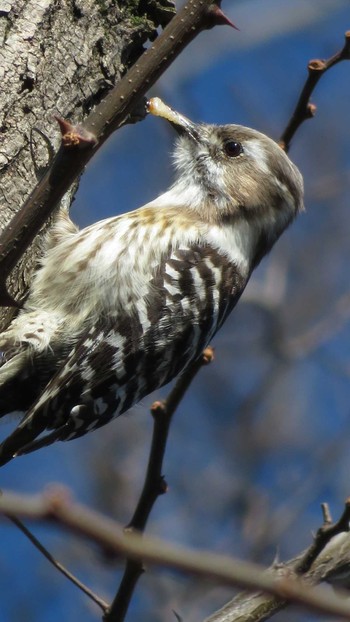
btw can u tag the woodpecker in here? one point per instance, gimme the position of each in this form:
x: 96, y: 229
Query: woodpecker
x: 120, y: 308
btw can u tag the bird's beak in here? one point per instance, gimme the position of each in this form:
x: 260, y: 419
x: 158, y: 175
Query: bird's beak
x: 182, y: 125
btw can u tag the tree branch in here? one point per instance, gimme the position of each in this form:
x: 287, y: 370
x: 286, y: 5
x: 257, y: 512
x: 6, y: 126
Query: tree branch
x: 326, y: 560
x: 304, y: 109
x: 323, y: 537
x: 57, y: 506
x: 38, y: 545
x: 154, y: 484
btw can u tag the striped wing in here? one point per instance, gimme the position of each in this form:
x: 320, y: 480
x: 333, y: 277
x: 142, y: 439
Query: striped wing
x: 136, y: 351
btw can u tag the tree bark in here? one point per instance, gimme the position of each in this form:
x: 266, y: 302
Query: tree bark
x: 57, y: 57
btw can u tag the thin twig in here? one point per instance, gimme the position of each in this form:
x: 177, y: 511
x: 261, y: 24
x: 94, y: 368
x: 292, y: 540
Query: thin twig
x: 323, y: 537
x: 304, y: 109
x: 154, y: 484
x: 96, y: 599
x: 108, y: 116
x: 327, y: 517
x: 162, y: 413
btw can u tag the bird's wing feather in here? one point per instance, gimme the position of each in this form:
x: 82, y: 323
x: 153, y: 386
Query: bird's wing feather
x: 135, y: 350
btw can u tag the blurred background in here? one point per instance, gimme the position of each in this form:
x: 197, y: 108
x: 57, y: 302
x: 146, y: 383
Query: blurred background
x: 262, y: 437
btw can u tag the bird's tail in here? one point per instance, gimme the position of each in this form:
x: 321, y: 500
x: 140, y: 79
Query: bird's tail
x: 25, y: 434
x: 7, y: 452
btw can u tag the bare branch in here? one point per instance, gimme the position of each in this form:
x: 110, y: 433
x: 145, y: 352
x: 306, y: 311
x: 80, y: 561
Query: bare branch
x: 57, y: 506
x: 326, y: 560
x: 304, y: 109
x: 154, y: 484
x: 323, y: 537
x: 38, y: 545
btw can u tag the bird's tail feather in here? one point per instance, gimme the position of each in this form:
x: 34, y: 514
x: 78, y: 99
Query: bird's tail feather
x: 23, y: 436
x: 43, y: 441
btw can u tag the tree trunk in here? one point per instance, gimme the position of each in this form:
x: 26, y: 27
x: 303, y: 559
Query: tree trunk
x: 57, y: 57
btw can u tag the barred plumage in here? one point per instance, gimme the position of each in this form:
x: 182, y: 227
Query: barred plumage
x: 122, y: 307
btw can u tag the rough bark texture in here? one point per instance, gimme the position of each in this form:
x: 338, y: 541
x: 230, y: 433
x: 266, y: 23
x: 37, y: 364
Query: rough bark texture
x: 331, y: 566
x: 57, y: 57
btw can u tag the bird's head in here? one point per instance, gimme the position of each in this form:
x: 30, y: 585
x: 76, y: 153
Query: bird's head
x: 230, y: 172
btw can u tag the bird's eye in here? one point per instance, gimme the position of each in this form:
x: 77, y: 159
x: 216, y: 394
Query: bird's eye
x: 233, y: 149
